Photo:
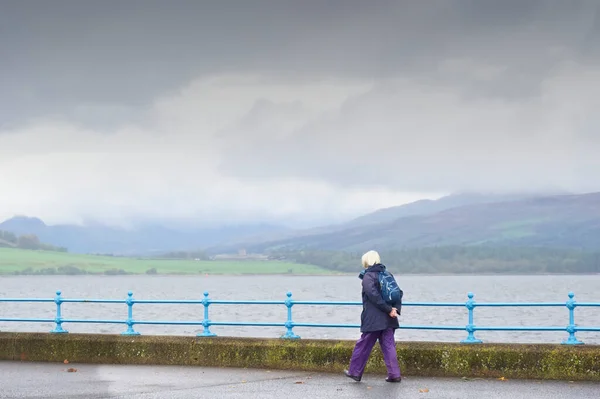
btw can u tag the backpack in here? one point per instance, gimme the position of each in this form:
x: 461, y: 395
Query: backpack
x: 390, y: 291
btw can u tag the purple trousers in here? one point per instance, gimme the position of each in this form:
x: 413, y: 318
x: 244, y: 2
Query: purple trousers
x: 364, y: 346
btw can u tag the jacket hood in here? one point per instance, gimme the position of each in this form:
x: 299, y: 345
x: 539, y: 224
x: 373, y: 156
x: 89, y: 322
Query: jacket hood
x: 376, y: 268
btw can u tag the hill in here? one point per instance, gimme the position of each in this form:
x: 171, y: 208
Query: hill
x: 559, y: 221
x: 156, y: 238
x: 142, y: 240
x: 417, y: 208
x: 16, y: 261
x: 428, y: 207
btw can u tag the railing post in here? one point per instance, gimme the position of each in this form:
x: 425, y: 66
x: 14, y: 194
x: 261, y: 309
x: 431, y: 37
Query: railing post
x: 58, y: 320
x: 130, y: 322
x: 289, y: 324
x: 572, y: 328
x: 206, y: 322
x: 470, y: 304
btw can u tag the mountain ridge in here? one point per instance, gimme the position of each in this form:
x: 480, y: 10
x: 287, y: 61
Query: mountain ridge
x: 560, y: 221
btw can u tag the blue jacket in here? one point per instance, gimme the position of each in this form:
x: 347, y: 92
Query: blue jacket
x: 375, y: 315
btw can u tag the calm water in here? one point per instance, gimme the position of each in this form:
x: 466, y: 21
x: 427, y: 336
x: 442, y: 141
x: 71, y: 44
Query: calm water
x: 346, y: 288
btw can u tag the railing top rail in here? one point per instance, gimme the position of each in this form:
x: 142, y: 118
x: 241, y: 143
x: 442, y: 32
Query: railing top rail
x: 295, y: 302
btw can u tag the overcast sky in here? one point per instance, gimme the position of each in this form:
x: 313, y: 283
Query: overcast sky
x: 287, y: 110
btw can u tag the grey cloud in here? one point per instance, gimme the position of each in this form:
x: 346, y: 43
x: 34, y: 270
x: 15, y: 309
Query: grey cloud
x: 420, y: 137
x: 62, y: 54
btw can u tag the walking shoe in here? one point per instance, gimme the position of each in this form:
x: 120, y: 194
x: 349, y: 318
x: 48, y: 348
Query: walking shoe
x: 398, y: 379
x: 355, y: 378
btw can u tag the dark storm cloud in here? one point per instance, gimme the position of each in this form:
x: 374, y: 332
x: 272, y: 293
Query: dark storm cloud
x: 110, y: 55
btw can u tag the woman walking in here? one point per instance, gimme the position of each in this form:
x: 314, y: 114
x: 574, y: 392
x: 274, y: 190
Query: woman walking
x: 378, y: 321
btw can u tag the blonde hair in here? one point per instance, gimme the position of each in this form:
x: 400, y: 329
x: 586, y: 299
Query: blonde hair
x: 370, y: 258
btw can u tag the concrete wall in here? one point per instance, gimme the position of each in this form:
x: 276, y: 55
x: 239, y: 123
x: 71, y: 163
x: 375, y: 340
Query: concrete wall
x: 416, y: 358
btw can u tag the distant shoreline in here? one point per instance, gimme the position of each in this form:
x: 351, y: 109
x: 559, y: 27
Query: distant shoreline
x: 35, y: 263
x: 16, y: 262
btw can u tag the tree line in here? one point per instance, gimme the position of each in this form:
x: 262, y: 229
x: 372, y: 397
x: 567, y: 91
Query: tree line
x: 26, y: 241
x: 458, y: 259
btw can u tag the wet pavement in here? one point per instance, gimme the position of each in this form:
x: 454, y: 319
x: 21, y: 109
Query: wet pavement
x: 51, y: 380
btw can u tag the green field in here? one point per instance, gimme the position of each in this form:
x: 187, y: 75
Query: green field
x: 14, y: 261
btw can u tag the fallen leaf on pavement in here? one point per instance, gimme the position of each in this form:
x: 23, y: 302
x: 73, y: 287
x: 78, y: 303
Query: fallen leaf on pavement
x: 502, y: 379
x: 299, y: 382
x: 66, y: 361
x: 71, y: 370
x: 424, y: 390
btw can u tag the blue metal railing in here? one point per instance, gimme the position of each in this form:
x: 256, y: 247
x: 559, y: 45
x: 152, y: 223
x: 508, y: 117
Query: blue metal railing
x: 289, y: 324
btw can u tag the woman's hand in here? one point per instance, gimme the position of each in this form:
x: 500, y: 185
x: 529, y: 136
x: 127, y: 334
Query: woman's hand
x: 394, y: 312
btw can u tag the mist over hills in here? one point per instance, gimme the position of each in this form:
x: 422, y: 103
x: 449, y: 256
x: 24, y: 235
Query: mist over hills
x: 570, y: 221
x: 144, y: 240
